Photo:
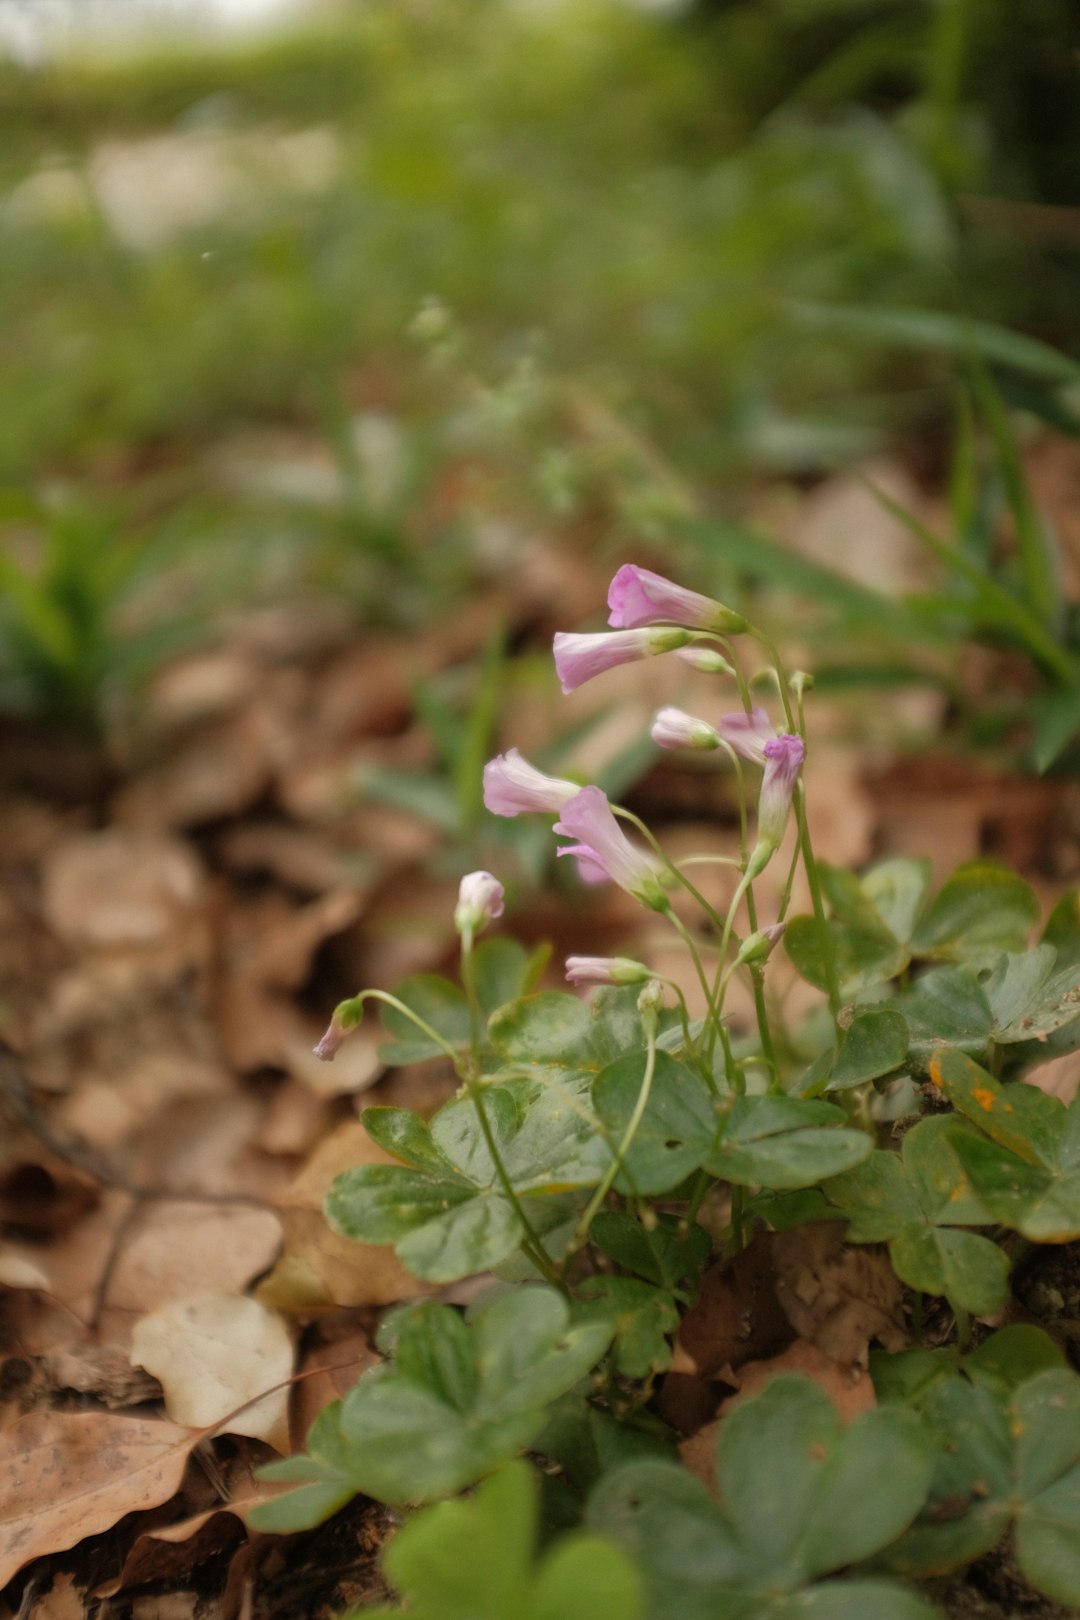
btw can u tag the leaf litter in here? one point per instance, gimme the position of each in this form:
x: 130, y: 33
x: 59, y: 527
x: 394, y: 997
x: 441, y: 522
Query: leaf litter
x: 187, y: 911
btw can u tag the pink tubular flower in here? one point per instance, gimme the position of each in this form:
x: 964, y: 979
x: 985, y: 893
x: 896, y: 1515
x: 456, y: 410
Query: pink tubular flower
x: 636, y: 596
x: 673, y: 728
x: 783, y: 761
x: 579, y: 657
x: 480, y: 901
x: 605, y: 970
x: 748, y: 734
x: 512, y: 785
x: 588, y: 818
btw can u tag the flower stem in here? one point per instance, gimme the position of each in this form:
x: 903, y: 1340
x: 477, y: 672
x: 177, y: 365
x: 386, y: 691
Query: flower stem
x: 597, y: 1199
x: 531, y: 1242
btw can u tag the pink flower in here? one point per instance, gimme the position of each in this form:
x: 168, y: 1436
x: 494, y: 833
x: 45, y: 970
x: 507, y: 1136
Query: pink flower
x: 579, y: 657
x: 588, y: 819
x: 783, y: 761
x: 512, y: 785
x: 637, y: 596
x: 480, y: 901
x: 605, y: 970
x: 748, y: 734
x: 673, y: 728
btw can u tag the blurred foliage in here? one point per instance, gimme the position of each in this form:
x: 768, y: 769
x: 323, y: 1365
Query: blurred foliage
x: 543, y: 251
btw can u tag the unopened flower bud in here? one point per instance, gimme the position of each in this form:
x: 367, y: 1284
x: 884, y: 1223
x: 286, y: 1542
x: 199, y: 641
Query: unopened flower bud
x: 756, y: 947
x: 650, y: 1004
x: 480, y: 901
x: 673, y: 728
x: 605, y: 970
x: 705, y: 659
x: 347, y: 1015
x: 801, y: 681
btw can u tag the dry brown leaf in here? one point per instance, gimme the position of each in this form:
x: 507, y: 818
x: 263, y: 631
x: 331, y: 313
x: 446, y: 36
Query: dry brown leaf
x: 68, y: 1475
x: 736, y: 1316
x: 298, y: 857
x: 849, y: 1386
x: 320, y: 1270
x: 839, y: 1298
x: 176, y: 1250
x: 62, y: 1601
x: 103, y: 1371
x: 329, y: 1372
x: 213, y: 1355
x: 168, y: 1552
x: 118, y: 888
x: 221, y: 772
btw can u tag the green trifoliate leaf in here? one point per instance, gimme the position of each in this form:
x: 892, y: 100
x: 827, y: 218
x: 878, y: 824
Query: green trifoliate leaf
x: 662, y: 1254
x: 1008, y: 1459
x: 677, y: 1128
x: 915, y: 1201
x: 1024, y: 1160
x: 802, y: 1499
x: 785, y: 1142
x: 583, y: 1577
x: 981, y: 910
x: 875, y: 1045
x: 645, y: 1318
x: 457, y: 1401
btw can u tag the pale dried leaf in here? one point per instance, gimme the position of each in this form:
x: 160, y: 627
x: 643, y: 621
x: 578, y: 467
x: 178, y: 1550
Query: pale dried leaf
x: 214, y: 1354
x: 119, y: 888
x: 74, y: 1474
x: 176, y: 1250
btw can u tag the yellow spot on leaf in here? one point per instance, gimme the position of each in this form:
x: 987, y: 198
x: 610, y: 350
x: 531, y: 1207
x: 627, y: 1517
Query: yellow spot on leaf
x: 984, y: 1098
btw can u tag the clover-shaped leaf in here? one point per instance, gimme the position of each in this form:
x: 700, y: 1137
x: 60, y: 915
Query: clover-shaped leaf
x: 915, y: 1201
x: 663, y: 1253
x: 802, y: 1499
x: 881, y: 923
x: 1008, y: 1459
x: 645, y: 1318
x: 1024, y: 1161
x: 458, y: 1400
x: 583, y: 1577
x: 785, y: 1142
x: 676, y: 1130
x: 876, y: 1044
x: 556, y: 1035
x: 445, y: 1210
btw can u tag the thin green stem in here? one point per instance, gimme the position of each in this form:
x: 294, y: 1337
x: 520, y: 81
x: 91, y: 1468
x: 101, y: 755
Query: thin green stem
x: 699, y: 967
x: 832, y: 987
x: 468, y: 980
x: 657, y: 848
x: 531, y: 1244
x: 597, y: 1199
x: 421, y: 1024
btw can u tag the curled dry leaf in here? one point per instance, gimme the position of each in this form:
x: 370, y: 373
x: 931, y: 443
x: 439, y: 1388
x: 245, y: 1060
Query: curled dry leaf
x: 838, y: 1298
x: 69, y: 1475
x: 213, y: 1355
x: 169, y: 1552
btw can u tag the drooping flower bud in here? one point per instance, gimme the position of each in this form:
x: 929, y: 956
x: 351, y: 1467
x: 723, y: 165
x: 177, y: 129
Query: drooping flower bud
x: 347, y: 1015
x: 605, y: 970
x: 480, y: 901
x: 674, y: 728
x: 747, y: 734
x: 650, y: 1005
x: 637, y: 596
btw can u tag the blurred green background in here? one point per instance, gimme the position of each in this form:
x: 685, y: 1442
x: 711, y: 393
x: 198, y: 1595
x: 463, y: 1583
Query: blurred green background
x: 346, y: 306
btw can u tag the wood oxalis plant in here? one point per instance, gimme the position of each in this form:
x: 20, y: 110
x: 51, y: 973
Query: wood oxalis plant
x: 604, y: 1160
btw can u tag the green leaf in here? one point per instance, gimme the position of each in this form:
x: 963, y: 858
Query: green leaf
x: 802, y: 1498
x: 663, y: 1255
x: 581, y: 1578
x: 946, y: 1004
x: 785, y: 1142
x: 645, y: 1318
x: 864, y: 955
x: 875, y: 1044
x: 459, y: 1399
x: 914, y: 1201
x: 982, y: 909
x: 677, y: 1128
x: 1008, y: 1458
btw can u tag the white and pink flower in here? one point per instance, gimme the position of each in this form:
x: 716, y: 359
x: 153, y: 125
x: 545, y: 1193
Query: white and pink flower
x: 599, y: 840
x: 637, y: 596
